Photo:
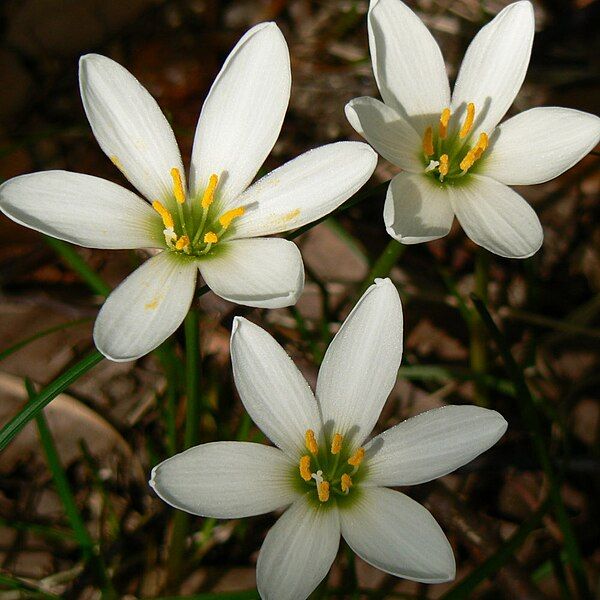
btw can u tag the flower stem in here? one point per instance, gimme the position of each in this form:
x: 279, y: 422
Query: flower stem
x: 383, y: 265
x: 181, y: 520
x: 478, y: 350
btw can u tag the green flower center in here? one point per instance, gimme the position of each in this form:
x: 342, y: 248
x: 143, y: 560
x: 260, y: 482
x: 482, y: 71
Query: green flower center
x: 331, y: 471
x: 196, y: 227
x: 449, y: 157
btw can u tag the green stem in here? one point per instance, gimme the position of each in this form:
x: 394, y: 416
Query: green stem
x: 37, y: 402
x: 181, y: 520
x: 478, y: 350
x: 534, y: 426
x: 384, y: 264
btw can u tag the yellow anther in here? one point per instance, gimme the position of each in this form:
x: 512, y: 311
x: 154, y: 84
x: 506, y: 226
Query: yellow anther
x: 209, y: 192
x: 481, y: 146
x: 428, y: 142
x: 323, y: 491
x: 164, y: 213
x: 346, y: 483
x: 305, y: 468
x: 464, y: 130
x: 336, y: 443
x: 444, y: 165
x: 210, y: 237
x: 177, y: 185
x: 357, y: 457
x: 226, y: 218
x: 467, y: 162
x: 182, y: 243
x: 311, y: 441
x: 444, y: 119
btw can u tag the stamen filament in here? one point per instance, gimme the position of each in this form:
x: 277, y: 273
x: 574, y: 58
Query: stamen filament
x: 311, y: 441
x: 305, y: 468
x: 468, y: 123
x: 178, y: 190
x: 444, y: 119
x: 428, y: 142
x: 357, y: 457
x: 336, y: 444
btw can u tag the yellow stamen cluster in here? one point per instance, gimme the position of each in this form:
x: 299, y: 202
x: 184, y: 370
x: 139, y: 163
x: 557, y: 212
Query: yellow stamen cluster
x: 474, y: 153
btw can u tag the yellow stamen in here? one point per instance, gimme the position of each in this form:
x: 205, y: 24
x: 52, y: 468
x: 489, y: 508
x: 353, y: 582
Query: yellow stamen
x: 444, y: 165
x: 311, y: 441
x: 357, y: 457
x: 323, y: 491
x: 182, y: 243
x: 226, y: 218
x: 164, y: 213
x: 464, y: 130
x: 444, y: 119
x: 336, y: 444
x: 428, y: 142
x: 177, y: 185
x: 346, y: 483
x: 210, y: 237
x: 209, y: 192
x: 481, y: 146
x: 305, y: 468
x: 467, y: 162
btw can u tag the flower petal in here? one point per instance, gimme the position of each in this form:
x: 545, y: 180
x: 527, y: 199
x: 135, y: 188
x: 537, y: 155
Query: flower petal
x: 540, y: 144
x: 298, y: 551
x: 305, y: 189
x: 432, y: 444
x: 243, y: 113
x: 416, y: 209
x: 494, y: 66
x: 272, y: 389
x: 361, y: 364
x: 390, y: 134
x: 146, y: 308
x: 262, y: 272
x: 81, y: 209
x: 226, y: 480
x: 129, y: 126
x: 397, y: 535
x: 407, y: 62
x: 496, y: 217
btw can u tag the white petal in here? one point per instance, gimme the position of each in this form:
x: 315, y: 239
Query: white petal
x: 397, y: 535
x: 305, y: 189
x: 390, y: 134
x: 432, y: 444
x: 407, y: 62
x: 496, y: 217
x: 540, y: 144
x: 361, y: 364
x: 226, y: 480
x: 243, y: 113
x: 272, y: 389
x: 81, y: 209
x: 494, y: 66
x: 146, y: 308
x: 417, y: 209
x: 262, y: 272
x: 129, y: 126
x: 298, y: 552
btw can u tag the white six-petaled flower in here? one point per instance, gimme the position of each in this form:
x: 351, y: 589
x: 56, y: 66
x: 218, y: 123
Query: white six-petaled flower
x: 456, y: 159
x: 322, y: 470
x: 215, y: 224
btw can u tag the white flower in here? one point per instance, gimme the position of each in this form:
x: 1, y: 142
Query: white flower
x: 456, y: 159
x: 332, y: 482
x: 216, y: 223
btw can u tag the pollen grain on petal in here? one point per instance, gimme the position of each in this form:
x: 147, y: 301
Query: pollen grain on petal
x: 346, y: 483
x: 115, y: 161
x: 210, y: 237
x: 444, y: 120
x: 336, y: 443
x: 178, y: 190
x: 468, y: 123
x: 428, y: 142
x: 209, y: 193
x: 311, y: 441
x: 226, y: 218
x: 357, y: 457
x: 164, y: 213
x: 305, y: 472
